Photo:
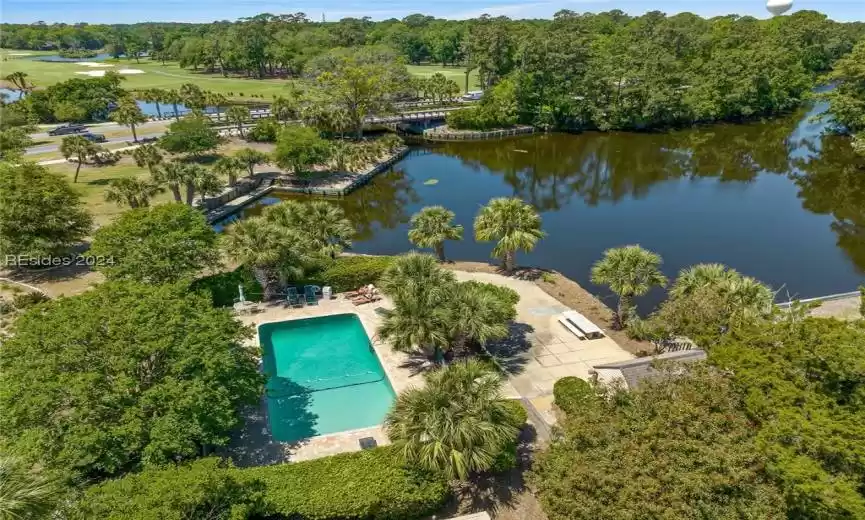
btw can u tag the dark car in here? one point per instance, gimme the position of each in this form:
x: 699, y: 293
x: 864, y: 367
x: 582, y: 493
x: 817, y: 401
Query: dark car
x: 68, y: 129
x: 94, y: 138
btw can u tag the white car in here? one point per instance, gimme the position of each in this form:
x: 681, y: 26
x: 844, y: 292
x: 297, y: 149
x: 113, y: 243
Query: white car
x: 474, y: 95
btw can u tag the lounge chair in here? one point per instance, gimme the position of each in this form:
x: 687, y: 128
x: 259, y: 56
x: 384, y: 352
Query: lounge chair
x: 293, y: 298
x: 370, y: 298
x: 309, y: 293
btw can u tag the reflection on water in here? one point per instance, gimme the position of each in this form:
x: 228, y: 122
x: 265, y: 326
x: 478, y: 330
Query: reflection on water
x: 775, y: 200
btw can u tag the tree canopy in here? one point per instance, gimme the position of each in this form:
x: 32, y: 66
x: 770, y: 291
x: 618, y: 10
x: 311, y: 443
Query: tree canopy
x: 191, y: 135
x: 803, y: 384
x: 166, y: 243
x: 123, y: 376
x: 40, y: 213
x: 675, y: 448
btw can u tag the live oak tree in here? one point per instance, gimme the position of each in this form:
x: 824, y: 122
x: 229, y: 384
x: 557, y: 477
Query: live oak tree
x: 124, y: 376
x: 361, y: 82
x: 40, y: 213
x: 298, y: 148
x: 191, y: 135
x: 163, y: 244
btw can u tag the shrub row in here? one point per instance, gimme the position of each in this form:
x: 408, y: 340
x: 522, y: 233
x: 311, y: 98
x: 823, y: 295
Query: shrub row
x: 572, y: 394
x: 347, y: 273
x: 223, y: 286
x: 367, y: 485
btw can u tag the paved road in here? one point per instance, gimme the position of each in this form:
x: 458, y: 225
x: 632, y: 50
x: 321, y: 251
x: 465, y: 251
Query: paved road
x: 54, y: 147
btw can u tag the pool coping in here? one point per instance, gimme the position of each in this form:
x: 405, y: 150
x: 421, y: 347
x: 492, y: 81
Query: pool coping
x: 384, y: 366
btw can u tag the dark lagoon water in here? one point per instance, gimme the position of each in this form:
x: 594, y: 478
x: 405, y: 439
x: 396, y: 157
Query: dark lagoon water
x: 776, y: 200
x: 102, y: 56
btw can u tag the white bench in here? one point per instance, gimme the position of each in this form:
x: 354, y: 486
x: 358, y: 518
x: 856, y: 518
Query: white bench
x: 580, y: 325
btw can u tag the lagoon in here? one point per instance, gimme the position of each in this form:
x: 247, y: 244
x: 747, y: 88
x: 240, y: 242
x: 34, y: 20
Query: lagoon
x: 777, y: 200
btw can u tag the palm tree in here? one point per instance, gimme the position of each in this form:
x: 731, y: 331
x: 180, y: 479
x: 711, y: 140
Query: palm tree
x: 749, y: 297
x: 216, y: 100
x: 80, y: 148
x: 25, y: 492
x: 250, y: 158
x: 457, y: 424
x: 328, y: 229
x: 743, y: 294
x: 259, y: 244
x: 416, y: 322
x: 431, y: 226
x: 172, y: 174
x: 201, y: 180
x: 129, y: 114
x: 153, y: 95
x: 284, y: 109
x: 147, y: 155
x: 475, y: 315
x: 133, y: 191
x: 414, y: 274
x: 629, y: 271
x: 207, y: 182
x: 19, y: 80
x: 515, y: 224
x: 237, y: 114
x: 173, y: 96
x: 192, y: 96
x: 229, y: 166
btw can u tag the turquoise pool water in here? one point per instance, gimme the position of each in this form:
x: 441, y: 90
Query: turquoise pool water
x: 323, y: 377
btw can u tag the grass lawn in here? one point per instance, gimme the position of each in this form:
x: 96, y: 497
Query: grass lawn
x: 457, y: 74
x: 93, y: 180
x: 171, y: 76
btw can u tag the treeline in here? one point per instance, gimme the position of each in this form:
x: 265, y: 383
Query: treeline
x: 577, y: 71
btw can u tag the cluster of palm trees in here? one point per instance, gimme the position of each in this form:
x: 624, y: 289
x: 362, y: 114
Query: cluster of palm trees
x: 632, y: 271
x: 438, y: 315
x: 189, y: 94
x: 437, y: 87
x: 287, y: 239
x: 184, y: 179
x: 352, y: 156
x: 514, y: 224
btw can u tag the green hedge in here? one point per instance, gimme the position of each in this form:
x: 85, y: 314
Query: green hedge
x: 367, y: 485
x: 223, y: 286
x: 572, y: 394
x: 347, y: 273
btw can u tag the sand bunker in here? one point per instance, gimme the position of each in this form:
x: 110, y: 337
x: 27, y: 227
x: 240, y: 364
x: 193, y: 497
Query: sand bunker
x: 94, y: 73
x: 93, y: 64
x: 20, y: 54
x: 130, y: 71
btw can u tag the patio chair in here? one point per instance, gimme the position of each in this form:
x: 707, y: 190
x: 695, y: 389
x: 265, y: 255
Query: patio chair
x: 309, y: 293
x: 293, y: 298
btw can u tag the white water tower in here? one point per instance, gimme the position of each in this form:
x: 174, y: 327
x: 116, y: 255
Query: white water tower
x: 778, y: 7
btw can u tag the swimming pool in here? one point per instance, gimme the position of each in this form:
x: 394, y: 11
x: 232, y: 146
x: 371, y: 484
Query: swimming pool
x: 323, y: 376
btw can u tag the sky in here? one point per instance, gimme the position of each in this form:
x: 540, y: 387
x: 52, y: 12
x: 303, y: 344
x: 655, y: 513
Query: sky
x: 129, y: 11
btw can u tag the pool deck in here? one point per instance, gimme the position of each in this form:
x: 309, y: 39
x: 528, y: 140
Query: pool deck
x: 538, y: 351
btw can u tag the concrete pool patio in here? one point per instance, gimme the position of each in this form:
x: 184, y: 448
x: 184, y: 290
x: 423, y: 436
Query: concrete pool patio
x: 538, y: 351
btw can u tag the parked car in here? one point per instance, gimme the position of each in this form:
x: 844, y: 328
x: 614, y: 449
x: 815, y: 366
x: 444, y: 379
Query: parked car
x: 473, y: 95
x: 94, y: 138
x: 71, y: 128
